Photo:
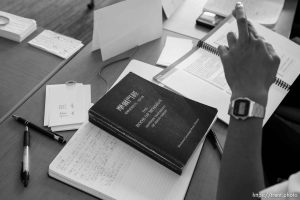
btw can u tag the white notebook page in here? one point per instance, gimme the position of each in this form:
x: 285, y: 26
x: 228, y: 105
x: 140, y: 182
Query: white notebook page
x: 107, y: 167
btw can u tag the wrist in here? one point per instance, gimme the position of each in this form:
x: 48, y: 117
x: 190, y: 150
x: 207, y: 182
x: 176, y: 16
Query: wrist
x: 260, y: 97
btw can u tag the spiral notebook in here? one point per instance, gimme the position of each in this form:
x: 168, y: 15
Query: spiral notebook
x: 200, y: 76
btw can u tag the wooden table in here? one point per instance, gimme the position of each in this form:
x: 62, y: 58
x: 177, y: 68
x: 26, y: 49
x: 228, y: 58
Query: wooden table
x: 22, y: 70
x: 83, y: 68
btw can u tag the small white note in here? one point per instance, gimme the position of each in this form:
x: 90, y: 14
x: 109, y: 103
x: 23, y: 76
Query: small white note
x: 66, y: 106
x: 174, y: 49
x: 56, y: 44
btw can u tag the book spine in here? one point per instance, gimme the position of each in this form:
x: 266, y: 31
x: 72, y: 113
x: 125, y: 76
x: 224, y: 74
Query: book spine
x: 121, y: 134
x: 201, y: 44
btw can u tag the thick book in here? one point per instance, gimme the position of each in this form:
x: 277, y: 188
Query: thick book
x: 162, y: 124
x: 202, y: 72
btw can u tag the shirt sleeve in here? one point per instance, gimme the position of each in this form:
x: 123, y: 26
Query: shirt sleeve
x: 287, y: 190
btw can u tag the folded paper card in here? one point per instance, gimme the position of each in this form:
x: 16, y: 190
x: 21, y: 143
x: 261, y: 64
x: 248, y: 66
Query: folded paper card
x: 127, y: 24
x: 66, y: 106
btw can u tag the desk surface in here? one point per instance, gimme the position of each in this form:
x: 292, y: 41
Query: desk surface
x: 22, y: 68
x: 82, y: 68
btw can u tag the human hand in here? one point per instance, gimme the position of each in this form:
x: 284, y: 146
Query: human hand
x: 250, y: 64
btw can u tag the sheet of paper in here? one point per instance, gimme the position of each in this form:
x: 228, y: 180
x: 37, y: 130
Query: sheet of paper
x: 125, y: 25
x: 183, y: 21
x: 57, y: 44
x: 174, y: 49
x: 142, y: 69
x: 263, y: 11
x: 170, y: 6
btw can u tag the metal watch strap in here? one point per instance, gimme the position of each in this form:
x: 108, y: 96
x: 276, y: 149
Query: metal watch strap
x: 257, y: 110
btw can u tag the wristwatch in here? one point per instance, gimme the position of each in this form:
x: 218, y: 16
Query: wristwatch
x: 244, y: 108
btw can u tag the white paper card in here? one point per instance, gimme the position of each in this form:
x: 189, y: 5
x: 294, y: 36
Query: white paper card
x: 174, y: 49
x: 127, y: 24
x: 66, y: 106
x: 57, y: 44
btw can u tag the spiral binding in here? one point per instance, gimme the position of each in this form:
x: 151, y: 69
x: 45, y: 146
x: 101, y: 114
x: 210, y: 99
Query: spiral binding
x: 214, y: 50
x: 282, y: 84
x: 208, y: 47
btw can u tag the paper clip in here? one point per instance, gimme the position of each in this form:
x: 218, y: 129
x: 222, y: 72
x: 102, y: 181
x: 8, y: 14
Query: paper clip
x: 71, y: 83
x: 3, y: 20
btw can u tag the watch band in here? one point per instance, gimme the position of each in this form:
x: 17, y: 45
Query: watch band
x: 257, y: 110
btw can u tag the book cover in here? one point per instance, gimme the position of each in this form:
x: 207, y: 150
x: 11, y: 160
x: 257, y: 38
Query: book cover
x: 163, y: 125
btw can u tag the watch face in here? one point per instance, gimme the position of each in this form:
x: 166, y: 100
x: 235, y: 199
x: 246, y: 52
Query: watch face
x: 241, y: 107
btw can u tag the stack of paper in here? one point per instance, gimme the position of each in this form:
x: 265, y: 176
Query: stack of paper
x: 57, y: 44
x: 17, y: 28
x: 66, y: 106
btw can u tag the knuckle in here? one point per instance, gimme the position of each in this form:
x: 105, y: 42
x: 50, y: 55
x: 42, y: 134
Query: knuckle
x: 243, y: 21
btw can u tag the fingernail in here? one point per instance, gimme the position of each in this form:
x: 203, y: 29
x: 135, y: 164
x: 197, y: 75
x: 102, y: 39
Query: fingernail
x: 239, y: 4
x: 240, y: 10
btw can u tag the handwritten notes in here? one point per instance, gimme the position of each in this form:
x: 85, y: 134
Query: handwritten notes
x: 56, y: 44
x: 100, y: 164
x: 66, y: 106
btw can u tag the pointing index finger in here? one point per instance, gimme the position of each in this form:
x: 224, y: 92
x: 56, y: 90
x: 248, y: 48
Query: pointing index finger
x: 242, y: 24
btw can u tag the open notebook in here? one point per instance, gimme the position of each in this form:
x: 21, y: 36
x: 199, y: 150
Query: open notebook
x: 200, y: 75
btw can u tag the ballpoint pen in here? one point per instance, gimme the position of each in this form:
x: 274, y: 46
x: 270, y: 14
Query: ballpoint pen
x: 25, y: 161
x: 50, y: 134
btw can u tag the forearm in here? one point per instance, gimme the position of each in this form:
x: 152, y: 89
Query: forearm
x: 241, y: 169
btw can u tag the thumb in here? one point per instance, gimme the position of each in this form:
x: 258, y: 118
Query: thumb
x: 223, y: 51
